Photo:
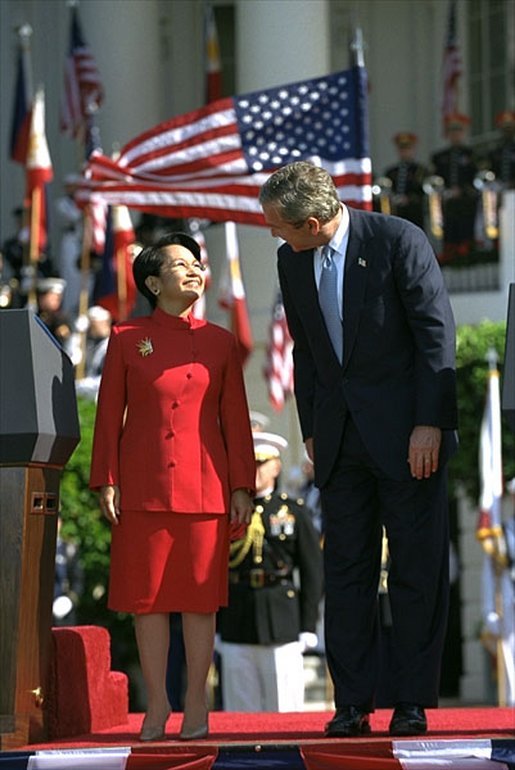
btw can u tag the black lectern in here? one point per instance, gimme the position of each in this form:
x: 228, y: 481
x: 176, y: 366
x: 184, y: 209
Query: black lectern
x: 39, y: 429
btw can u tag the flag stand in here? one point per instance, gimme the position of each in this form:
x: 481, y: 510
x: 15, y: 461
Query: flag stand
x: 35, y: 211
x: 85, y: 265
x: 121, y: 283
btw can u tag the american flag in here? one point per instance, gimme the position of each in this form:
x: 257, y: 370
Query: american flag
x: 211, y: 163
x: 96, y: 212
x: 278, y: 369
x: 452, y: 68
x: 231, y: 294
x: 83, y: 91
x: 213, y: 61
x: 22, y: 99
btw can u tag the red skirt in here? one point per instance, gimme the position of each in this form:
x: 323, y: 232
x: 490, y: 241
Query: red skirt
x: 169, y: 562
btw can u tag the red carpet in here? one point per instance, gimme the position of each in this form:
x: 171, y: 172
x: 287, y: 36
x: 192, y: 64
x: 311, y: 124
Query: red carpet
x: 461, y: 739
x: 229, y: 728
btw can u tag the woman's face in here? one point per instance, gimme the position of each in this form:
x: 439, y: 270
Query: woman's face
x: 181, y: 280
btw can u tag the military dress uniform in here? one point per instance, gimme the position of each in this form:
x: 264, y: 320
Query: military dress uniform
x: 407, y: 177
x: 457, y: 167
x: 502, y: 157
x: 275, y: 585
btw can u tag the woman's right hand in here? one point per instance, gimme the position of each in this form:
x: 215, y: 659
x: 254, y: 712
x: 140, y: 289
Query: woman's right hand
x: 109, y: 498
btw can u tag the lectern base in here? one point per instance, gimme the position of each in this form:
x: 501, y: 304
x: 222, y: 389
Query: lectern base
x: 29, y: 502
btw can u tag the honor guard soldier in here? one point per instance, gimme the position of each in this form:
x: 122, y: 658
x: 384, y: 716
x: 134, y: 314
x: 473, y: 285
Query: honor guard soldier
x: 457, y: 167
x: 407, y: 177
x: 502, y: 158
x: 49, y: 297
x: 275, y: 585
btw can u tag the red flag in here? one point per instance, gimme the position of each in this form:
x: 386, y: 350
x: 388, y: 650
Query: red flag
x: 213, y: 61
x: 97, y: 213
x: 83, y: 91
x: 38, y: 172
x: 20, y: 125
x: 452, y: 68
x: 211, y: 163
x: 231, y: 294
x: 115, y: 289
x: 278, y: 369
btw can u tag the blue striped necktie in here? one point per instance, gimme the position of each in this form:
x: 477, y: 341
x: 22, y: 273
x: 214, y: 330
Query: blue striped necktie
x: 328, y: 298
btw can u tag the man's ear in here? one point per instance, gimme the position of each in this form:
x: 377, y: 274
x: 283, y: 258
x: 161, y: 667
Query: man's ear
x: 313, y: 225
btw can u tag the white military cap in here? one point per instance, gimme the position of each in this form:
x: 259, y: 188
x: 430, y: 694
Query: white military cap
x: 56, y: 285
x: 98, y: 313
x: 258, y: 421
x: 268, y: 446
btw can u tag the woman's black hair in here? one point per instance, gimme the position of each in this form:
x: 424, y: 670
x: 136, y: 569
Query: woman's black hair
x: 150, y: 260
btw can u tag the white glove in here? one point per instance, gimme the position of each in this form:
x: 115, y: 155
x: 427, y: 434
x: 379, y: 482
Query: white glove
x: 307, y: 640
x: 493, y: 624
x: 82, y: 323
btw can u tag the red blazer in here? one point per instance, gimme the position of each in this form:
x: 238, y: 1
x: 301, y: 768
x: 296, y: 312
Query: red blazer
x: 172, y: 425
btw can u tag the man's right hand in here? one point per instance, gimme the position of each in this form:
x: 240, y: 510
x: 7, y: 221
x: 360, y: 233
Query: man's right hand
x: 310, y: 449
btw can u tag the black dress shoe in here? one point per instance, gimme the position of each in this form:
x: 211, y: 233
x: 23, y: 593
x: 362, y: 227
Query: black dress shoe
x: 348, y: 721
x: 408, y: 719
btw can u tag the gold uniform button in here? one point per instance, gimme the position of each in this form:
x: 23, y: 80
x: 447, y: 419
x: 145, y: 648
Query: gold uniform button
x: 290, y: 594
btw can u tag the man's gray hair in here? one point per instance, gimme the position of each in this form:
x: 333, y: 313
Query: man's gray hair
x: 301, y: 190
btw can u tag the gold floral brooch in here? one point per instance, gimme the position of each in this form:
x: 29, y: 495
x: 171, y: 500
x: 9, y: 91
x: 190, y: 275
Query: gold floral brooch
x: 145, y: 347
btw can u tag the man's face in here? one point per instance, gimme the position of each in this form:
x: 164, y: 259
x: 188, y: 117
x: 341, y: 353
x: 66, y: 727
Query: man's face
x: 267, y: 472
x: 299, y: 235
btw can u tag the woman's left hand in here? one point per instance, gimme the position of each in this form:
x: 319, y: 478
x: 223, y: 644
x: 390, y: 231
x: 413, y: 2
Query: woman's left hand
x: 241, y: 507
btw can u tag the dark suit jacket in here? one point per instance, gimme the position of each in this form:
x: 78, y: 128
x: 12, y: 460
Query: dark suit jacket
x: 398, y: 369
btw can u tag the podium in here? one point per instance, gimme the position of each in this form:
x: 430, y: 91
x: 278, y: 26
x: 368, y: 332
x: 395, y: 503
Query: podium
x: 39, y: 429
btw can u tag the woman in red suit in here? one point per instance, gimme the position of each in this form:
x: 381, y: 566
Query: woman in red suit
x: 174, y: 465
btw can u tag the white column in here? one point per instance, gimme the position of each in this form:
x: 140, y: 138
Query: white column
x: 281, y: 41
x: 277, y: 42
x: 125, y: 40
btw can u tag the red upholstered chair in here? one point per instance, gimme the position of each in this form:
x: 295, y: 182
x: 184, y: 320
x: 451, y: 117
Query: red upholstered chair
x: 84, y: 695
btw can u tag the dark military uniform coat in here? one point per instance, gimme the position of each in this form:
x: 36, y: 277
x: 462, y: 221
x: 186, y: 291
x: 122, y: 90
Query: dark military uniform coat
x: 265, y: 604
x: 407, y: 178
x: 457, y: 167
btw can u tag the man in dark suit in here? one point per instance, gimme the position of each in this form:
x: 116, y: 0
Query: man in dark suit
x: 377, y: 408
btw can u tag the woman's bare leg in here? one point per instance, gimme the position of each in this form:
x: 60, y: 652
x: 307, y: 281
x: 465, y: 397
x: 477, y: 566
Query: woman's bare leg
x: 153, y: 638
x: 199, y: 634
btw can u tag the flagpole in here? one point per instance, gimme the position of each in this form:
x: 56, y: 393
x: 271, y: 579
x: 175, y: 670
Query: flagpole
x: 492, y: 358
x: 85, y: 266
x: 35, y: 211
x: 121, y: 284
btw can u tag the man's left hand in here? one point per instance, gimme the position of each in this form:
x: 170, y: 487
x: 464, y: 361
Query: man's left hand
x: 424, y: 450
